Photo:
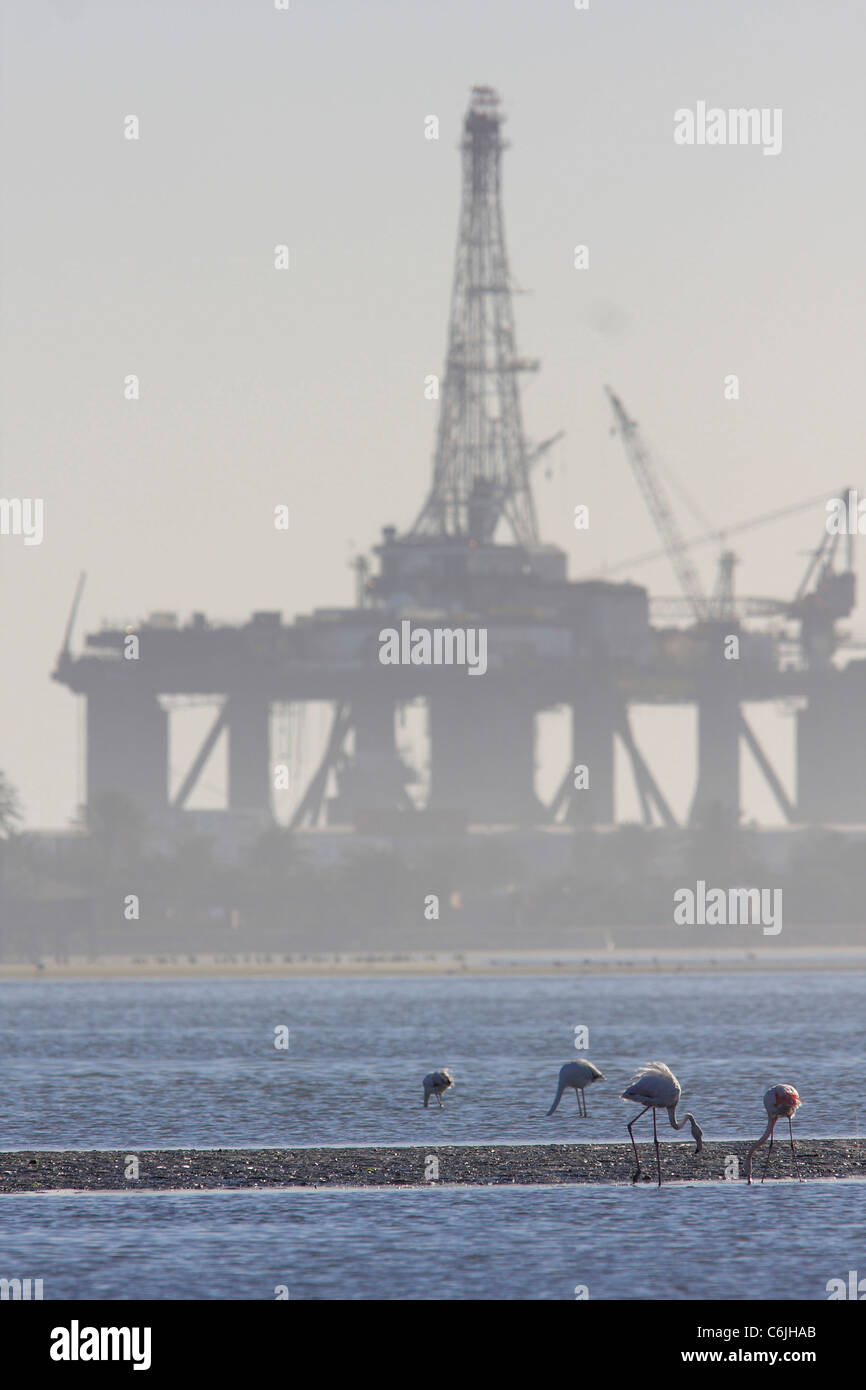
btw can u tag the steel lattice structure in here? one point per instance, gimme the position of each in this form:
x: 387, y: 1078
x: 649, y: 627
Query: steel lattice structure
x: 481, y: 467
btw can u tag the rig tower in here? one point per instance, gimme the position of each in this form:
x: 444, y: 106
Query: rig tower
x: 481, y: 468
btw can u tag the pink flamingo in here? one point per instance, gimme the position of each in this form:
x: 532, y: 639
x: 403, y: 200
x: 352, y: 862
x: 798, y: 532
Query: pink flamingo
x: 656, y: 1088
x: 780, y: 1102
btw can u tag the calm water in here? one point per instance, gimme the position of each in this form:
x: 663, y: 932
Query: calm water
x: 130, y: 1065
x: 721, y: 1242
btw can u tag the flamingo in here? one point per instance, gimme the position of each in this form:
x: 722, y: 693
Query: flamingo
x: 579, y: 1074
x: 779, y: 1102
x: 435, y: 1083
x: 656, y: 1088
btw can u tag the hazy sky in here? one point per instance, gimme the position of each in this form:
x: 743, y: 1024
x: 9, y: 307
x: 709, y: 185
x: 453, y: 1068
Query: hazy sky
x: 260, y: 127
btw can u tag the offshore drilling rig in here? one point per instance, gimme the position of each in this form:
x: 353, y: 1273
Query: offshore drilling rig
x: 474, y: 559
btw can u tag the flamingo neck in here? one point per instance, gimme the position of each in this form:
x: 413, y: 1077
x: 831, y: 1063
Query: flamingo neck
x: 679, y: 1124
x: 758, y: 1142
x: 697, y: 1132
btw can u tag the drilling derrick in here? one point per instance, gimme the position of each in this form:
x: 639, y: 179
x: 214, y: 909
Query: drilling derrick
x: 481, y: 467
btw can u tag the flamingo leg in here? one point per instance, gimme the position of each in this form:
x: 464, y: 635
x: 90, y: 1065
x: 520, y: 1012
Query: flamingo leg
x: 658, y: 1155
x: 793, y: 1150
x: 439, y: 1098
x: 633, y: 1144
x: 585, y: 1111
x: 769, y: 1151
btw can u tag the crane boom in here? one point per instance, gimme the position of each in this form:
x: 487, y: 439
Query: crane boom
x: 73, y: 613
x: 653, y: 493
x: 721, y: 533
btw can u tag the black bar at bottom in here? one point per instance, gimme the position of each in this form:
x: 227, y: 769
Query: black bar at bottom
x: 71, y: 1339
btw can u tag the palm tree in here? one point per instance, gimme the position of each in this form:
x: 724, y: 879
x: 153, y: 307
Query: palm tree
x: 10, y: 808
x: 10, y: 816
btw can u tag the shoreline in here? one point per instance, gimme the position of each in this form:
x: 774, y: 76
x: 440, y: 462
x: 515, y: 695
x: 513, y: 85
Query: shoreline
x: 466, y: 1165
x: 388, y: 964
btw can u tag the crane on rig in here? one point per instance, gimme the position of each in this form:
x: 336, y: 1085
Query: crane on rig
x: 721, y: 608
x: 824, y: 594
x: 832, y: 595
x: 650, y: 485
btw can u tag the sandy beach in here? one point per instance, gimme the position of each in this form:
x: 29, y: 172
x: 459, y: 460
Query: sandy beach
x: 461, y: 1165
x: 615, y: 960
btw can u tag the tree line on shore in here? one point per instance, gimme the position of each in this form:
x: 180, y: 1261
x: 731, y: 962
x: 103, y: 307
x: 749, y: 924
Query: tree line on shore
x: 615, y: 877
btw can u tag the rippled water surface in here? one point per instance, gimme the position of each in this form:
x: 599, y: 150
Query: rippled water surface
x: 724, y: 1241
x: 193, y: 1062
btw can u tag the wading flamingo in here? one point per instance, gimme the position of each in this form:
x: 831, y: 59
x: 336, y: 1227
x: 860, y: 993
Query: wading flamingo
x: 779, y: 1102
x: 578, y: 1074
x: 435, y: 1083
x: 656, y: 1088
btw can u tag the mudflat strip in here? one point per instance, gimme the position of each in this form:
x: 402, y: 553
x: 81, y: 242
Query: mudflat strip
x: 469, y: 1165
x: 742, y: 950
